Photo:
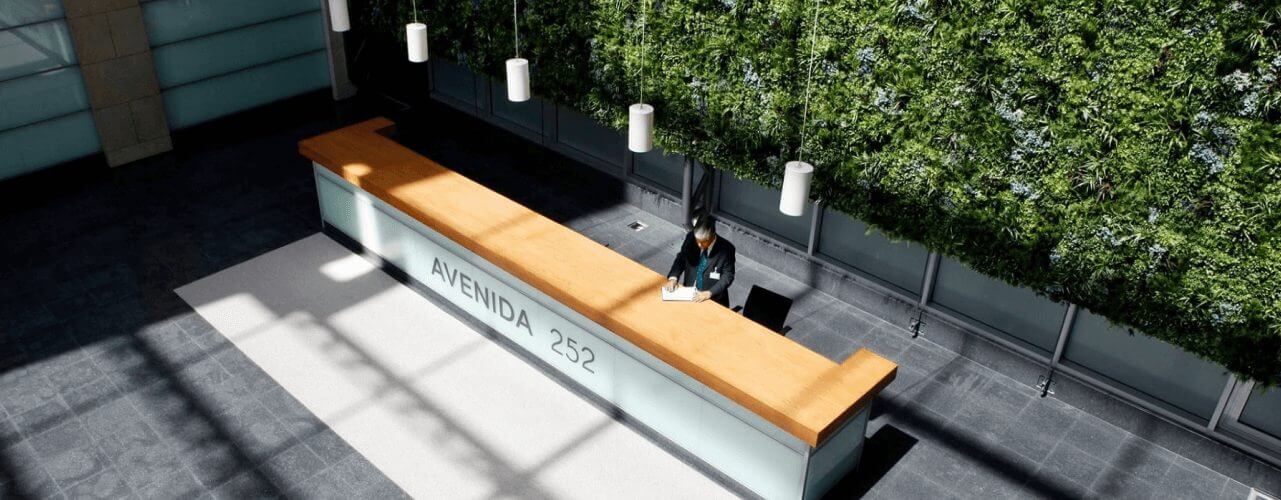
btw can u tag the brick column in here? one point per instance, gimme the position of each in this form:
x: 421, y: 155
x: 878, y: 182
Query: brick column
x: 120, y: 78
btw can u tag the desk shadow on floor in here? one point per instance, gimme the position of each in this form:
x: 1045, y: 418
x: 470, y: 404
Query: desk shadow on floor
x: 881, y: 453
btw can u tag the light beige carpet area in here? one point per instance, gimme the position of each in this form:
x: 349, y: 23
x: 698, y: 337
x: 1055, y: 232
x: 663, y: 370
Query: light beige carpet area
x: 441, y: 410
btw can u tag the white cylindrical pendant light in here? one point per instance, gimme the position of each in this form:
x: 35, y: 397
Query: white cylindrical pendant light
x: 640, y: 128
x: 517, y: 80
x: 416, y: 36
x: 796, y: 188
x: 338, y: 18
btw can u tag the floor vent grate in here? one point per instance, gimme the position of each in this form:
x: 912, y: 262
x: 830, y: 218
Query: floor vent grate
x: 637, y: 226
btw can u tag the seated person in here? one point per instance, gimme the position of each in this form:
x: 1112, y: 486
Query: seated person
x: 705, y: 262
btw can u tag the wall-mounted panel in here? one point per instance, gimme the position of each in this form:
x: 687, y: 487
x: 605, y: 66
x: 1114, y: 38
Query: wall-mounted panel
x: 1018, y: 313
x: 527, y: 115
x: 758, y: 206
x: 1263, y: 411
x: 587, y: 136
x: 30, y: 148
x: 169, y: 21
x: 454, y: 81
x: 41, y: 96
x: 19, y: 12
x: 851, y: 242
x: 1146, y: 365
x: 223, y: 95
x: 34, y: 48
x: 663, y: 169
x: 195, y: 59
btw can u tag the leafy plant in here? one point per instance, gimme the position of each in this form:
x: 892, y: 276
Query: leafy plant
x: 1123, y: 155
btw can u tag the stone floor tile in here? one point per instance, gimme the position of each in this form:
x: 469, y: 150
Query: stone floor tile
x: 179, y: 484
x: 1117, y: 483
x: 1096, y: 437
x: 1145, y: 460
x: 294, y: 466
x: 68, y: 453
x: 328, y: 446
x: 105, y: 485
x: 1074, y: 465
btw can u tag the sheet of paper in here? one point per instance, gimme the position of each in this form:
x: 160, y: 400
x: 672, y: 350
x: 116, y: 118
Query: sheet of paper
x: 684, y: 293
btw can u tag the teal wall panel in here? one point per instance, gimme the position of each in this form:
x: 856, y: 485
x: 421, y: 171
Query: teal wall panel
x: 758, y: 205
x: 850, y: 241
x: 223, y: 95
x: 169, y: 21
x: 19, y: 12
x: 1152, y: 367
x: 30, y: 148
x: 35, y: 48
x: 41, y: 96
x: 213, y: 55
x: 1014, y: 311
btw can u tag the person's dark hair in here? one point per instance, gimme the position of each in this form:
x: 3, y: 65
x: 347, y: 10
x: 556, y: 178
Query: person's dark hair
x: 704, y: 227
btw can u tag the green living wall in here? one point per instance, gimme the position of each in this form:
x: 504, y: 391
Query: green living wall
x: 1122, y: 155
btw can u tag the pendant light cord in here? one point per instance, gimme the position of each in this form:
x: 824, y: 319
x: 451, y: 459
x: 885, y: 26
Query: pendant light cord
x: 516, y: 29
x: 800, y: 153
x: 644, y: 24
x: 415, y: 4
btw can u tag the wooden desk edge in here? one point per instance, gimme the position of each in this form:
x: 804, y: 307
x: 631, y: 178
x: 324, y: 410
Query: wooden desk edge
x: 864, y: 372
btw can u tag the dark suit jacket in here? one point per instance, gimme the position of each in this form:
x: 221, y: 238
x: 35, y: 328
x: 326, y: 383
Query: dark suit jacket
x: 719, y: 262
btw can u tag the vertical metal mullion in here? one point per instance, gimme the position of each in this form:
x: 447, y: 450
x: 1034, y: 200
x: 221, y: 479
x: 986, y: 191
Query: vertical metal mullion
x: 1222, y: 406
x: 687, y: 192
x: 931, y: 274
x: 816, y: 222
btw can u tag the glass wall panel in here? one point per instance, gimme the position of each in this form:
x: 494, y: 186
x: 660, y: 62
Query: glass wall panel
x: 19, y: 12
x: 30, y: 148
x: 169, y: 21
x: 454, y: 81
x: 35, y: 48
x: 847, y: 240
x: 223, y: 95
x: 1147, y: 365
x: 528, y: 114
x: 1014, y: 311
x: 758, y: 206
x: 199, y: 58
x: 41, y: 96
x: 665, y: 170
x: 586, y: 135
x: 1263, y: 411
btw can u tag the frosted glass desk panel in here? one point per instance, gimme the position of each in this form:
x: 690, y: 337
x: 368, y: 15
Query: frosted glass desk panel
x: 761, y: 458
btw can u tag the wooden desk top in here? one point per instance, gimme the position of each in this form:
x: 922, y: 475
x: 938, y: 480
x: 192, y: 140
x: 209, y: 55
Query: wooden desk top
x: 796, y: 389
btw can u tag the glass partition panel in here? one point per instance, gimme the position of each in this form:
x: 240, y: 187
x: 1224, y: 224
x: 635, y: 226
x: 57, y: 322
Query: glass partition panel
x: 847, y: 240
x: 223, y: 95
x: 665, y: 170
x: 170, y: 21
x: 50, y: 142
x: 1018, y: 313
x: 528, y: 114
x: 758, y: 206
x: 19, y: 12
x: 35, y: 48
x: 454, y: 80
x: 1147, y: 365
x: 41, y: 96
x: 584, y: 134
x: 213, y: 55
x: 1263, y: 411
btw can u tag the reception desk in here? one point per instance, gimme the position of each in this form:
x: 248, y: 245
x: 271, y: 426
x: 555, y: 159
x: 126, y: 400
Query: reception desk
x: 762, y: 410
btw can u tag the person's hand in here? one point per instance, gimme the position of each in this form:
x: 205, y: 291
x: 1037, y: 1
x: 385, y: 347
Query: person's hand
x: 701, y: 296
x: 671, y: 285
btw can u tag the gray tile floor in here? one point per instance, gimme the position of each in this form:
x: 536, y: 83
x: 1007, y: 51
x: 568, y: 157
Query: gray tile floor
x: 110, y: 387
x: 947, y: 427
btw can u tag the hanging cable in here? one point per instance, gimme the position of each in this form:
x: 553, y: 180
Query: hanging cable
x: 644, y: 24
x: 800, y: 153
x: 414, y: 3
x: 516, y: 30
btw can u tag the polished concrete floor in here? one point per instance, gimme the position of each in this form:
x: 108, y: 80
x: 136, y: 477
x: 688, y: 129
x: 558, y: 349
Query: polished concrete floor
x: 111, y: 386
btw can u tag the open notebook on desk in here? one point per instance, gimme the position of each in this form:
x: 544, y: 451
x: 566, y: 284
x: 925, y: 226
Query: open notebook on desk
x: 680, y: 294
